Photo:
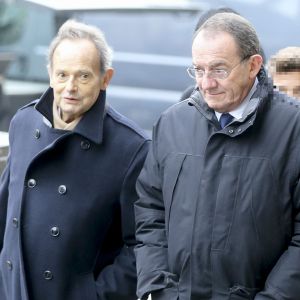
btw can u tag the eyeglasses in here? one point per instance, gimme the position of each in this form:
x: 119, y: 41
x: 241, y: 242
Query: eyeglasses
x: 217, y: 73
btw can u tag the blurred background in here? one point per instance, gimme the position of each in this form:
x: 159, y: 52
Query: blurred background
x: 151, y: 42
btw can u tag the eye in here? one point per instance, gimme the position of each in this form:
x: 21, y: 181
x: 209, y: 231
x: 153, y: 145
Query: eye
x: 84, y: 76
x: 61, y: 76
x: 296, y: 90
x: 218, y: 71
x: 199, y: 72
x: 282, y: 88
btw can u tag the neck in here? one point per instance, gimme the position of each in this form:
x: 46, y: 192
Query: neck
x: 60, y: 123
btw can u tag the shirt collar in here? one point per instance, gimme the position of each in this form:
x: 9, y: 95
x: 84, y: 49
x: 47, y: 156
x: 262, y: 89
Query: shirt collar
x: 91, y: 123
x: 239, y: 111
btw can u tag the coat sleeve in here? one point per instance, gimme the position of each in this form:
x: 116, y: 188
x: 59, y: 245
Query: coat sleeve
x: 151, y: 252
x: 4, y: 185
x: 118, y: 280
x: 4, y: 182
x: 284, y: 280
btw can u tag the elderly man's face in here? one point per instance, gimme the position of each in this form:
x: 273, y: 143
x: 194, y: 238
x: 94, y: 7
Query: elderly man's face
x: 219, y: 51
x: 288, y: 82
x: 75, y: 77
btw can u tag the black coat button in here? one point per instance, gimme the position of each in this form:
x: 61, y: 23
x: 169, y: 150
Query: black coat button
x: 85, y: 145
x: 48, y: 275
x: 62, y: 189
x: 37, y: 134
x: 15, y: 222
x: 31, y: 183
x: 54, y: 231
x: 9, y: 265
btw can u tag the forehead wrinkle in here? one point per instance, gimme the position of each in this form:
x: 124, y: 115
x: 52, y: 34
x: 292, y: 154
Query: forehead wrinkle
x: 76, y: 71
x: 75, y: 54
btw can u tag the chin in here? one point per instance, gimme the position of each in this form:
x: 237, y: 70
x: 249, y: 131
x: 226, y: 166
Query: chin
x: 212, y: 103
x: 217, y: 107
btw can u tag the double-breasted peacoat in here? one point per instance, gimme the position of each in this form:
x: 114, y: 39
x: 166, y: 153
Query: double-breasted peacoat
x: 66, y: 206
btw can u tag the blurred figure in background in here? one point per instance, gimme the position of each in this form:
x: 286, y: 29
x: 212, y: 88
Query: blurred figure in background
x: 284, y: 67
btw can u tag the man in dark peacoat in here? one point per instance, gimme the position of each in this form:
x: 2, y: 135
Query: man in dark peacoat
x: 67, y: 193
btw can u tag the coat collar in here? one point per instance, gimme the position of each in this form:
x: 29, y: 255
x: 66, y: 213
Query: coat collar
x: 90, y: 125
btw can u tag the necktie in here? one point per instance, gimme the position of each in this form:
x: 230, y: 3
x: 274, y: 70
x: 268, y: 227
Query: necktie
x: 225, y: 119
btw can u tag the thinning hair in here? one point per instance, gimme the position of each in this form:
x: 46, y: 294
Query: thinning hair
x: 238, y: 27
x: 211, y: 12
x: 74, y: 30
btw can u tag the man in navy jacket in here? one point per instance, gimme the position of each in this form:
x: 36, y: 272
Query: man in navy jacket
x: 67, y: 193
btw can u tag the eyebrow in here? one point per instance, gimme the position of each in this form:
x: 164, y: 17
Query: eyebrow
x: 82, y: 71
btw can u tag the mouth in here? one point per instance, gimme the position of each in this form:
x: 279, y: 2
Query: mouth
x: 208, y: 93
x: 211, y: 92
x: 213, y: 96
x: 71, y: 99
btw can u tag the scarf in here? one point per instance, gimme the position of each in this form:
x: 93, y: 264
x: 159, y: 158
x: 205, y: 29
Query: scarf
x: 59, y: 123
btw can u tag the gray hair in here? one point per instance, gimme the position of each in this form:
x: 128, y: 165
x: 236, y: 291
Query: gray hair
x: 238, y: 27
x: 73, y: 30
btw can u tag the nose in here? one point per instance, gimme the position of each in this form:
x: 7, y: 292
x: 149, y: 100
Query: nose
x: 71, y: 85
x: 207, y: 83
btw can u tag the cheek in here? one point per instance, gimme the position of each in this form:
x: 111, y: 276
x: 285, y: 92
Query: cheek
x: 240, y: 83
x: 90, y: 94
x: 233, y: 91
x: 96, y: 89
x: 58, y: 87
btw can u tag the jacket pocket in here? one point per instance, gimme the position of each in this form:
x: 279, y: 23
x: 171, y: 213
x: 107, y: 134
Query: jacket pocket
x: 230, y: 176
x: 180, y: 192
x: 172, y: 170
x: 239, y: 292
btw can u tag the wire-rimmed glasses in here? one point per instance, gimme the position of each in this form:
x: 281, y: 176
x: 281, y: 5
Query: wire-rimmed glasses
x: 216, y: 73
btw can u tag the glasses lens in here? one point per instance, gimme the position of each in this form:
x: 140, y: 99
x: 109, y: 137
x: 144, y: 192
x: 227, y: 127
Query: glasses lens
x: 219, y: 74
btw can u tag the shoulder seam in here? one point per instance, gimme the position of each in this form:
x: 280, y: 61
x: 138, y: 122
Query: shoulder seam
x: 123, y: 120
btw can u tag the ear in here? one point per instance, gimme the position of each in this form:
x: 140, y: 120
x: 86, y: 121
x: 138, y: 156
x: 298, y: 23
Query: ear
x: 256, y: 62
x: 106, y: 78
x: 50, y: 74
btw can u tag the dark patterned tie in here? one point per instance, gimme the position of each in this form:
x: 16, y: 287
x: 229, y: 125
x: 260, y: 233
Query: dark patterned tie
x: 225, y: 119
